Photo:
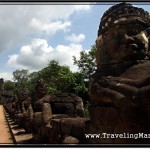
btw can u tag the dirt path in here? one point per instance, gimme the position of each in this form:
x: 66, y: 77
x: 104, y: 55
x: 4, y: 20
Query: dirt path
x: 5, y: 135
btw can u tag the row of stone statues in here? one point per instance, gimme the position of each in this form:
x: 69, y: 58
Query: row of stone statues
x: 36, y: 113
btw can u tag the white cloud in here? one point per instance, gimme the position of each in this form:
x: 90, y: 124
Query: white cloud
x: 64, y: 54
x: 6, y: 76
x: 33, y: 56
x: 75, y: 38
x: 83, y: 7
x: 51, y: 27
x: 38, y: 53
x: 19, y: 22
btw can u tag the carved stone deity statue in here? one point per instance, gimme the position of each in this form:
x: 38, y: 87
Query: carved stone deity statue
x: 41, y: 101
x: 65, y: 104
x: 24, y: 113
x: 48, y: 110
x: 120, y: 88
x: 25, y: 101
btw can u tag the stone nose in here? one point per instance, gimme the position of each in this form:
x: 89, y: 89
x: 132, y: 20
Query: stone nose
x: 139, y: 41
x: 141, y: 38
x: 142, y: 41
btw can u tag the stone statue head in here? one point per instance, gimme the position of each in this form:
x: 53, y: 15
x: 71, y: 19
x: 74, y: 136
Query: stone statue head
x: 122, y: 35
x: 40, y: 89
x: 25, y: 94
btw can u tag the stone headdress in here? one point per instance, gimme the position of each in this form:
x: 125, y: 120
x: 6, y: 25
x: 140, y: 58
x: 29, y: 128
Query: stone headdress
x: 120, y: 13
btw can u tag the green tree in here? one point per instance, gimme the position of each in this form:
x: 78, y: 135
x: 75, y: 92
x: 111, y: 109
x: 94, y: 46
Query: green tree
x: 32, y: 81
x: 50, y: 74
x: 86, y: 62
x: 80, y: 87
x: 20, y: 79
x: 9, y: 85
x: 33, y: 77
x: 87, y: 66
x: 58, y: 78
x: 20, y: 76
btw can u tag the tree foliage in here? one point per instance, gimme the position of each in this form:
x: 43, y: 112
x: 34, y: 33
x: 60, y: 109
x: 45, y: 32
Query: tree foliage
x: 58, y: 78
x: 86, y: 62
x: 87, y: 66
x: 9, y: 86
x: 20, y: 80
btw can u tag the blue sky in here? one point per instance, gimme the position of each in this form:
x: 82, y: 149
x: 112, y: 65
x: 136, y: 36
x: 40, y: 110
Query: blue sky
x: 32, y: 35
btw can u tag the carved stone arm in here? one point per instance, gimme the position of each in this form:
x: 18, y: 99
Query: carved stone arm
x: 136, y: 83
x: 122, y: 88
x: 116, y: 88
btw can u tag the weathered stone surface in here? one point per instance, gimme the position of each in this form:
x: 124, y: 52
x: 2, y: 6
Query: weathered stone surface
x: 53, y: 131
x: 36, y: 138
x: 73, y: 127
x: 67, y: 103
x: 139, y: 71
x: 70, y: 140
x: 105, y: 116
x: 37, y: 122
x: 27, y: 125
x: 63, y: 108
x: 55, y: 123
x: 46, y: 113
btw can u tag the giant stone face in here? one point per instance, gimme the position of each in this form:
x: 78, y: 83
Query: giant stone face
x: 120, y: 43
